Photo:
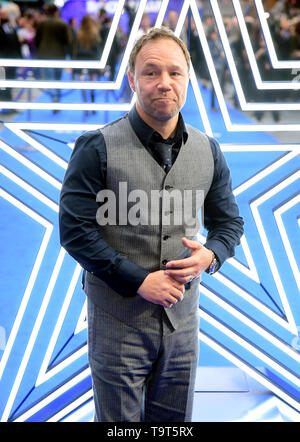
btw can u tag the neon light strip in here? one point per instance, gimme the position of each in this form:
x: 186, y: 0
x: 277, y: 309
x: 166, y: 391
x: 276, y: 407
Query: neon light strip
x: 265, y: 172
x: 278, y: 64
x: 286, y: 374
x: 161, y: 13
x: 48, y: 374
x: 38, y: 84
x: 251, y: 272
x: 16, y: 179
x: 254, y: 208
x: 253, y: 301
x: 260, y: 147
x: 67, y: 410
x: 30, y: 165
x: 247, y: 369
x: 66, y: 106
x: 285, y: 348
x: 276, y: 127
x: 83, y: 414
x: 27, y: 63
x: 285, y: 239
x: 272, y: 85
x: 57, y: 127
x: 40, y: 147
x: 182, y: 18
x: 44, y: 373
x: 51, y: 397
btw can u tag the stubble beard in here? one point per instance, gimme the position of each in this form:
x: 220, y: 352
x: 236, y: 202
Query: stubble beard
x: 161, y: 115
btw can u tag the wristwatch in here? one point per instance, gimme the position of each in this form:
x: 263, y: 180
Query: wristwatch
x: 213, y: 266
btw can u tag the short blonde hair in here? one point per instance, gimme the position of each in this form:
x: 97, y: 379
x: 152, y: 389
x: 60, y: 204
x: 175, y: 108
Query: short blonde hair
x: 156, y: 34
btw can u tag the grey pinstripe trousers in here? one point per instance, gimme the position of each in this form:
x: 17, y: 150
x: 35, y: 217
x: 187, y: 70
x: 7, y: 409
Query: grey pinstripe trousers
x: 142, y: 374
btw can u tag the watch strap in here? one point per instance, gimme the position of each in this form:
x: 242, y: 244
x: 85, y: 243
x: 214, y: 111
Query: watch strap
x: 214, y: 265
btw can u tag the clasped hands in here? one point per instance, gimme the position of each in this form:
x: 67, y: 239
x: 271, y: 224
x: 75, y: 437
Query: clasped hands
x: 166, y: 287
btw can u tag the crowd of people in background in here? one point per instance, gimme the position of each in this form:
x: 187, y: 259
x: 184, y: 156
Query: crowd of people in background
x: 43, y: 34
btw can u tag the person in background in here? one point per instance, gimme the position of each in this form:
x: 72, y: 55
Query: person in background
x: 218, y: 56
x: 145, y: 25
x: 87, y: 46
x: 10, y: 47
x: 73, y: 36
x: 26, y: 33
x: 52, y: 41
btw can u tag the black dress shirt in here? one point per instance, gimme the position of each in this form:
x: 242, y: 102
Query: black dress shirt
x: 86, y: 175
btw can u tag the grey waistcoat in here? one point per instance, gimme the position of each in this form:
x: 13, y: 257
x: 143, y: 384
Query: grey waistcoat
x: 147, y: 212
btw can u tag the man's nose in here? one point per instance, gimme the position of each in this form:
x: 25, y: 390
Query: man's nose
x: 164, y: 83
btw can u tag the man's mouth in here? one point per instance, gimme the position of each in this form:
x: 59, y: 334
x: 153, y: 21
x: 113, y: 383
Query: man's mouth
x: 163, y: 99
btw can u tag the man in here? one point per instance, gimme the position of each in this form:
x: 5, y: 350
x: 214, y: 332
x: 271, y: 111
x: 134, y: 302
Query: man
x: 143, y: 317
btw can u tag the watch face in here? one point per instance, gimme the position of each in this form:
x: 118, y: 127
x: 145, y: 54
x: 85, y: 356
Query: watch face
x: 213, y: 266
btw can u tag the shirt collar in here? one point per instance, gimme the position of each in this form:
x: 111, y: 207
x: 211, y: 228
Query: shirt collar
x: 145, y: 132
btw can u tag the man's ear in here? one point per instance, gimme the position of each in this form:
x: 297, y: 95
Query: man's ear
x: 131, y: 81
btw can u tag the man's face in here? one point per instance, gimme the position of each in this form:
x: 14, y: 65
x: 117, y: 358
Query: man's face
x: 160, y: 80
